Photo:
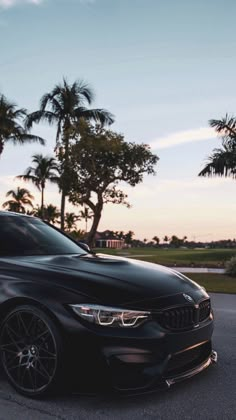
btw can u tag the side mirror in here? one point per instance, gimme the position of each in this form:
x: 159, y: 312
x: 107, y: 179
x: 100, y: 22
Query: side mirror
x: 84, y: 246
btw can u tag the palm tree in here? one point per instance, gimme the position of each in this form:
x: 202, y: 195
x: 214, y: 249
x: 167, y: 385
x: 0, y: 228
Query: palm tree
x: 78, y: 235
x: 45, y: 169
x: 51, y: 213
x: 86, y: 214
x: 156, y: 239
x: 120, y: 234
x: 70, y: 221
x: 166, y: 239
x: 21, y: 197
x: 128, y: 237
x: 222, y: 162
x: 11, y: 129
x: 65, y: 106
x: 226, y: 127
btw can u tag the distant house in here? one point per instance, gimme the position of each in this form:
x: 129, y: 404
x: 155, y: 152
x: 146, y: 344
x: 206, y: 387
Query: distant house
x: 108, y: 239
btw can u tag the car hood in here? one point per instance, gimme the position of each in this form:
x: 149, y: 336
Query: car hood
x: 109, y: 280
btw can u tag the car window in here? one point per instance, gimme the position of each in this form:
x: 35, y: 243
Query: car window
x: 26, y: 236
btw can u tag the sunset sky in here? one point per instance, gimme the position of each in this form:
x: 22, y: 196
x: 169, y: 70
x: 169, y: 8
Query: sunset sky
x: 163, y: 68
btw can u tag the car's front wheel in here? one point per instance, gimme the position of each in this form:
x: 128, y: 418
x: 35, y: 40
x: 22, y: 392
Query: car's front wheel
x: 31, y: 350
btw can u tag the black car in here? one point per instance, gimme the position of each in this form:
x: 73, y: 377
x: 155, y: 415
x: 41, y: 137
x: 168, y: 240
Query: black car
x: 67, y: 313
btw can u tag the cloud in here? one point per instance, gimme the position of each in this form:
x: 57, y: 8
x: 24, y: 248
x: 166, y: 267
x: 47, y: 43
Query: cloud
x: 167, y: 186
x: 10, y: 3
x: 192, y: 184
x: 181, y: 137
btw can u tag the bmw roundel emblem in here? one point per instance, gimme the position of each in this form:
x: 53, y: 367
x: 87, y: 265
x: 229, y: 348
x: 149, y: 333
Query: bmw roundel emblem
x: 188, y: 298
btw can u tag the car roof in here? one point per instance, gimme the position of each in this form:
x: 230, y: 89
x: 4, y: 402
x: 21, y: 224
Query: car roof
x: 13, y: 214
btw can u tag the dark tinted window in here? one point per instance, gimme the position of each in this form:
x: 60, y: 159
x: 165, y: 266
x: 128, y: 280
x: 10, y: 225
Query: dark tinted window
x: 26, y: 236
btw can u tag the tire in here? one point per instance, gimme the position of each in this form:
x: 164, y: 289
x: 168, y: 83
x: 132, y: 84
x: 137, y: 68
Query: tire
x: 31, y: 351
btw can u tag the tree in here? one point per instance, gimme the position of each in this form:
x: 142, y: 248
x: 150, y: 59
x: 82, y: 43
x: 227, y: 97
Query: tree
x: 166, y: 239
x: 86, y: 215
x: 128, y: 237
x: 121, y: 235
x: 21, y: 197
x: 177, y: 242
x: 78, y: 235
x: 11, y: 128
x: 51, y: 213
x: 65, y: 106
x: 156, y: 239
x: 45, y: 169
x: 226, y: 127
x: 99, y: 161
x: 222, y: 162
x: 70, y: 221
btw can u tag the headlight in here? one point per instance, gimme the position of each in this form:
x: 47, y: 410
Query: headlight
x: 110, y: 317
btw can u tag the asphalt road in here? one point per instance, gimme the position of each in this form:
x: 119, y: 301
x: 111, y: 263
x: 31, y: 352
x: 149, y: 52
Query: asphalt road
x: 210, y: 396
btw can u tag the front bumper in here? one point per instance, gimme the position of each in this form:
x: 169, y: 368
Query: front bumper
x: 141, y: 371
x: 142, y: 359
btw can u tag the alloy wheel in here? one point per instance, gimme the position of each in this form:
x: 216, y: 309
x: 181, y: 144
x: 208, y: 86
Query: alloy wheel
x: 28, y: 351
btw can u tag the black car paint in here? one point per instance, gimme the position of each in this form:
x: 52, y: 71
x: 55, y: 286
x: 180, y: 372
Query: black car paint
x: 141, y: 354
x: 106, y: 279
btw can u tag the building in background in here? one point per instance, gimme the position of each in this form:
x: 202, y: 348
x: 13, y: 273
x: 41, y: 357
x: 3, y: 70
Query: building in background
x: 108, y: 239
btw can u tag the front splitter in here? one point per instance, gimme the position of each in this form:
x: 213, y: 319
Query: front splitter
x: 186, y: 375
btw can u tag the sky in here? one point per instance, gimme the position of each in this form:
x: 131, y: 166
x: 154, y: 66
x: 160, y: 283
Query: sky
x: 163, y: 68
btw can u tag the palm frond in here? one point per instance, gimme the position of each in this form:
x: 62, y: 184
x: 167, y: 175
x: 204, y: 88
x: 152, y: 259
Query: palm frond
x: 46, y: 98
x: 11, y: 193
x: 101, y: 116
x: 40, y: 116
x: 19, y: 113
x: 9, y: 203
x: 226, y: 126
x: 221, y: 163
x: 58, y: 131
x: 82, y: 89
x: 54, y: 179
x: 22, y: 138
x: 30, y: 178
x: 49, y: 99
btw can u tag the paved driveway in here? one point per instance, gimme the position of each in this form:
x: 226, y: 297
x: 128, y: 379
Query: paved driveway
x: 209, y: 396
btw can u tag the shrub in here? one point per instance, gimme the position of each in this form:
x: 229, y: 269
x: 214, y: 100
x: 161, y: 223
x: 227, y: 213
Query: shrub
x: 230, y: 267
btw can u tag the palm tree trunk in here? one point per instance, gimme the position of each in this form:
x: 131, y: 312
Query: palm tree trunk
x: 1, y: 145
x: 63, y: 205
x: 64, y: 176
x: 42, y: 202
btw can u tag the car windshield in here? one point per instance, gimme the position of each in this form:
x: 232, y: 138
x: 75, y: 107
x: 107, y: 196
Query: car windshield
x: 26, y: 236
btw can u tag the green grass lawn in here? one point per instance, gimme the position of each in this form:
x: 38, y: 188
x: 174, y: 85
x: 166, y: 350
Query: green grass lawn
x: 180, y: 257
x: 218, y: 283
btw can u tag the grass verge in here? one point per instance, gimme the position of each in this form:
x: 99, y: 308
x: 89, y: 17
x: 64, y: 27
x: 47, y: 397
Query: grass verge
x: 218, y: 283
x: 179, y: 257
